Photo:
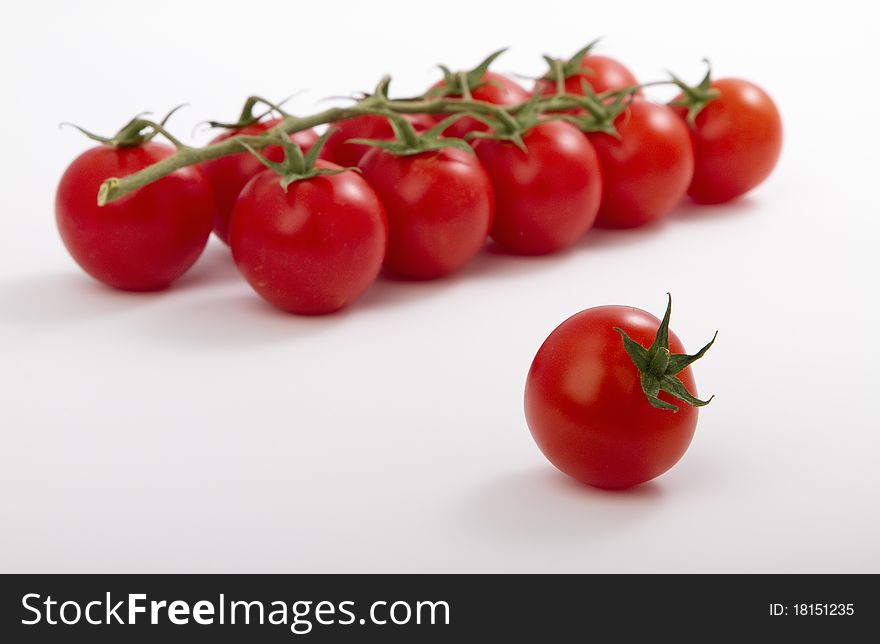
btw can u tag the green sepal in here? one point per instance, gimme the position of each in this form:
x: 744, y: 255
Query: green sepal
x: 136, y: 132
x: 407, y: 141
x: 651, y: 387
x: 637, y: 353
x: 513, y: 137
x: 464, y: 83
x: 675, y: 387
x: 658, y: 367
x: 311, y: 157
x: 527, y: 116
x: 559, y: 69
x: 584, y: 123
x: 296, y: 166
x: 695, y: 97
x: 440, y: 127
x: 573, y: 65
x: 382, y: 88
x: 677, y: 362
x: 248, y: 117
x: 599, y: 114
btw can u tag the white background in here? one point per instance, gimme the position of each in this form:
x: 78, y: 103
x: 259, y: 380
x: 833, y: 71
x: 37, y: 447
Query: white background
x: 200, y: 430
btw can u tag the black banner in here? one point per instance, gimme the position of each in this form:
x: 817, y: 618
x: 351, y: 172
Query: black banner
x: 430, y: 608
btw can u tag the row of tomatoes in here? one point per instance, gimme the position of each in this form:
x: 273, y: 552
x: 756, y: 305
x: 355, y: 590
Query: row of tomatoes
x: 317, y: 244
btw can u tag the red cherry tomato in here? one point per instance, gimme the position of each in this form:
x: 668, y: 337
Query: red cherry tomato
x: 337, y: 148
x: 737, y: 140
x: 439, y: 205
x: 314, y: 248
x: 586, y: 409
x: 145, y: 240
x: 229, y: 174
x: 647, y: 170
x: 603, y: 74
x: 545, y: 198
x: 496, y: 89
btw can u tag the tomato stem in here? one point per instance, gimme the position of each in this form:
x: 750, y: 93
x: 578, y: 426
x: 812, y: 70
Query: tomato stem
x: 596, y: 113
x: 658, y: 367
x: 247, y: 116
x: 696, y: 97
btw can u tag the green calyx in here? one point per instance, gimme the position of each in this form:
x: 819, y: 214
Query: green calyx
x: 248, y: 117
x: 559, y: 69
x: 597, y: 115
x: 658, y: 367
x: 463, y: 83
x: 407, y: 141
x: 695, y: 98
x: 511, y: 128
x: 296, y: 166
x: 136, y: 132
x: 512, y: 125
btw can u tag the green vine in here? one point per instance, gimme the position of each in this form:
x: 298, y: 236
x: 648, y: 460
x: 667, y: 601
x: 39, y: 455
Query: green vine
x: 594, y: 112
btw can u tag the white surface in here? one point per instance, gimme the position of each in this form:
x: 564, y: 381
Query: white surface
x: 199, y: 430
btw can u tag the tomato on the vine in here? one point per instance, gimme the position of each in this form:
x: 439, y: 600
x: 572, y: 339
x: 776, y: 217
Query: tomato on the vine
x: 647, y: 169
x: 229, y: 174
x: 339, y: 150
x: 313, y: 247
x: 145, y: 240
x: 737, y: 140
x: 601, y: 73
x: 493, y: 88
x: 609, y: 397
x: 547, y: 196
x: 439, y: 205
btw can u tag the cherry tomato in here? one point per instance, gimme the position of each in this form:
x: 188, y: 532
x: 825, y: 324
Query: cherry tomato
x: 586, y: 408
x: 313, y: 248
x: 439, y: 205
x: 603, y: 74
x: 229, y: 174
x: 545, y: 198
x: 337, y: 148
x: 145, y: 240
x: 737, y: 141
x: 496, y: 89
x: 647, y: 170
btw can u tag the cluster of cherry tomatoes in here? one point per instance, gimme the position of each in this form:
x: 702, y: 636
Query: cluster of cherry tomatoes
x: 313, y: 244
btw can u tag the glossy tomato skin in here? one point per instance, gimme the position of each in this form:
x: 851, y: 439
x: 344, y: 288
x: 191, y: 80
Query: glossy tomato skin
x: 545, y: 198
x: 737, y: 141
x: 602, y: 73
x: 586, y: 409
x: 647, y: 171
x: 229, y: 174
x: 496, y: 89
x: 439, y: 205
x: 313, y: 249
x: 337, y: 148
x: 145, y: 240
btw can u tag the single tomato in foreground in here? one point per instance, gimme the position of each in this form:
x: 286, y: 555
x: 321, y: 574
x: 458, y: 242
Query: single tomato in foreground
x: 737, y: 141
x: 439, y: 205
x: 610, y: 397
x: 647, y: 169
x: 229, y: 174
x: 312, y: 246
x: 145, y: 240
x: 547, y: 196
